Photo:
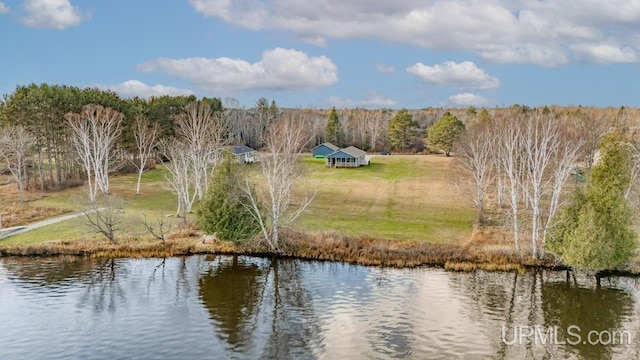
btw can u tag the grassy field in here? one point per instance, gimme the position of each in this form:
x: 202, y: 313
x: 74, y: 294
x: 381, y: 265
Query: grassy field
x: 396, y: 197
x: 153, y: 202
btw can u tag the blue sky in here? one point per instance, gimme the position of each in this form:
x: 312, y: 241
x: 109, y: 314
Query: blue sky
x: 323, y: 53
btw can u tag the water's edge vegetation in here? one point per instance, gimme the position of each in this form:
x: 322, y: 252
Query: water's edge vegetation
x: 330, y: 246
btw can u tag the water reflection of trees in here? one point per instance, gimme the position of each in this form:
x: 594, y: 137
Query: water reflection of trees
x: 103, y: 290
x: 546, y: 299
x: 294, y: 324
x: 101, y: 278
x: 52, y: 271
x: 231, y: 291
x: 261, y: 307
x: 590, y: 309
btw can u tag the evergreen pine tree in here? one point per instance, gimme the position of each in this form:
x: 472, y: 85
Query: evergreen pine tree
x: 445, y: 132
x: 595, y: 229
x: 222, y: 210
x: 333, y: 132
x: 401, y: 128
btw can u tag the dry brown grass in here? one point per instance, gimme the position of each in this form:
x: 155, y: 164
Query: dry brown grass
x: 392, y: 253
x: 329, y: 246
x: 9, y: 191
x: 15, y: 214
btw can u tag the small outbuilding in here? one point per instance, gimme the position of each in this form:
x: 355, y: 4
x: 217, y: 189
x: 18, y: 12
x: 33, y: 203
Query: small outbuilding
x: 347, y: 157
x: 243, y: 154
x: 323, y: 150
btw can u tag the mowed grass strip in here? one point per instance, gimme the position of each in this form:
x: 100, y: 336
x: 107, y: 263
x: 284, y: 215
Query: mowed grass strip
x: 396, y: 197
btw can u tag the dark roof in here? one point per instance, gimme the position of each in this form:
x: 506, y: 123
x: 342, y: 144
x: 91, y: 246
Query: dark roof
x: 241, y: 149
x: 351, y: 151
x: 329, y: 145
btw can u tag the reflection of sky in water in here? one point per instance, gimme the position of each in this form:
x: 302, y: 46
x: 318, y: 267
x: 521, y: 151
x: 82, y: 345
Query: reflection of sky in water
x: 376, y: 312
x: 150, y: 308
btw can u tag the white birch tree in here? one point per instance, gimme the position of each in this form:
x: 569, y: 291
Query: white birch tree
x: 179, y: 177
x: 510, y: 162
x: 271, y: 203
x: 15, y: 144
x: 476, y: 158
x: 145, y: 135
x: 564, y: 162
x: 206, y: 134
x: 540, y: 144
x: 550, y: 156
x: 94, y: 133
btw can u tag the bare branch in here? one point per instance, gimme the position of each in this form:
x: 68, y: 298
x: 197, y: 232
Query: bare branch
x: 145, y: 135
x: 94, y: 133
x: 15, y: 145
x: 157, y: 229
x: 280, y: 173
x: 104, y: 216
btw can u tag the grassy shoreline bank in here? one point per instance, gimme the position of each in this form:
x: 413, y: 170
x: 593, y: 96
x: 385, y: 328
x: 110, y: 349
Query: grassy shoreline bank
x: 317, y: 247
x: 401, y: 211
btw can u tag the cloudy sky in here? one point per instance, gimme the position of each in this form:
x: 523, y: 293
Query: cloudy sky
x: 323, y: 53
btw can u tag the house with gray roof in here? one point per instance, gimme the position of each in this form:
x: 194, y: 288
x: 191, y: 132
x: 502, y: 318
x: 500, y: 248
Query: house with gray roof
x: 243, y: 154
x: 323, y: 150
x: 349, y: 157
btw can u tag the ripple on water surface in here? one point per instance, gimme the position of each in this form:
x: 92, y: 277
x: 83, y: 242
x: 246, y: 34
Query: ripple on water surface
x: 219, y: 307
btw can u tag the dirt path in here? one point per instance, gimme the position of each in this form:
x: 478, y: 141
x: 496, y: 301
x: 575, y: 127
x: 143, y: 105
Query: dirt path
x: 7, y: 232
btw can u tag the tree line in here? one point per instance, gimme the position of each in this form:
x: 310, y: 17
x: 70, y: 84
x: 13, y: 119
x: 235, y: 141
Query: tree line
x: 564, y: 180
x: 518, y: 161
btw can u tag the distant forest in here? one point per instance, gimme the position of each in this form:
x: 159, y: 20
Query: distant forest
x: 43, y: 110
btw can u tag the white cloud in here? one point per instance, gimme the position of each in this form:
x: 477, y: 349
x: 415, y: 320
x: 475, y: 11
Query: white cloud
x: 4, y: 9
x: 468, y: 99
x: 385, y: 68
x: 604, y: 53
x: 371, y: 100
x: 133, y: 88
x: 279, y: 69
x: 465, y: 75
x: 52, y: 14
x: 524, y: 31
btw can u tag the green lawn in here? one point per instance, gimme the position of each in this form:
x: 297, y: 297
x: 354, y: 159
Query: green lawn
x: 396, y: 197
x: 154, y: 201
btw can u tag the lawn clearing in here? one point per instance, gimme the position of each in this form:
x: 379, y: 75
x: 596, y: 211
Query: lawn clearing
x: 154, y: 202
x: 396, y: 197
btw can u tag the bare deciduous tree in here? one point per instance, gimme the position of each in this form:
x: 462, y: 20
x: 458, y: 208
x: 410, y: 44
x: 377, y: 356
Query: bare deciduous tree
x: 206, y: 134
x: 540, y: 142
x: 271, y: 204
x: 476, y: 158
x: 104, y: 216
x: 94, y: 133
x: 591, y: 127
x: 179, y: 179
x: 145, y: 135
x: 158, y: 229
x: 564, y: 162
x: 508, y: 146
x: 536, y: 155
x: 550, y: 155
x: 201, y: 137
x: 15, y: 143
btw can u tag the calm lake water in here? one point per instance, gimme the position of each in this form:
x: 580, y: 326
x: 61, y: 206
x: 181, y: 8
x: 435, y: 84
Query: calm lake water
x: 219, y: 307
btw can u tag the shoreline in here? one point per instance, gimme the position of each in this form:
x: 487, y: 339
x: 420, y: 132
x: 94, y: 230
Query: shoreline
x: 331, y: 246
